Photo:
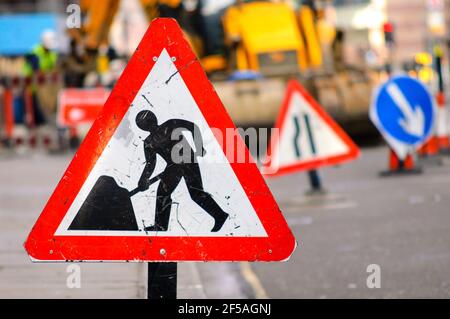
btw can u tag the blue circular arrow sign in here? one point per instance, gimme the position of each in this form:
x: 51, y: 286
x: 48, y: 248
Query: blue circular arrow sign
x: 404, y: 112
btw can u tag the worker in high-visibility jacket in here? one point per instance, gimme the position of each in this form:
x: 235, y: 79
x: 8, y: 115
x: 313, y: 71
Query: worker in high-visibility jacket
x: 41, y: 61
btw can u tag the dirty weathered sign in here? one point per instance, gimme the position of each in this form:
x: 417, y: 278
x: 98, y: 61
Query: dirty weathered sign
x: 153, y: 181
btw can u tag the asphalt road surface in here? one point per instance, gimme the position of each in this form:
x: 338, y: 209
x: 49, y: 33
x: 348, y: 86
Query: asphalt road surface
x: 400, y: 223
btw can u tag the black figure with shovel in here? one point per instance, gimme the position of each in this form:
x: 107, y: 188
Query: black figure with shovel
x: 108, y: 206
x: 168, y: 141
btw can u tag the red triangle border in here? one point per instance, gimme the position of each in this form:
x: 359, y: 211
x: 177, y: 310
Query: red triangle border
x: 43, y: 245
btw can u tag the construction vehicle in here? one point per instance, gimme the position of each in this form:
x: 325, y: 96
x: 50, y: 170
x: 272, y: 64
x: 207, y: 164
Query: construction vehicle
x: 268, y: 44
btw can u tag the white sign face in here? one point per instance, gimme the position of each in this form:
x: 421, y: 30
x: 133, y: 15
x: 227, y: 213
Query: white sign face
x: 124, y: 161
x: 305, y: 136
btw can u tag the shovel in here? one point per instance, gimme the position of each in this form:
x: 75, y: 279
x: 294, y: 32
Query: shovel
x: 108, y: 207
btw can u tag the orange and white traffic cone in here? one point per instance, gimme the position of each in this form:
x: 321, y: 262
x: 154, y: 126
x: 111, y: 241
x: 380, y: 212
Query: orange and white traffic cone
x: 430, y: 148
x: 398, y: 166
x: 442, y: 136
x: 443, y: 139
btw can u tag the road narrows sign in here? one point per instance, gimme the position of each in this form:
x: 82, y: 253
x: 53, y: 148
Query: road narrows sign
x: 404, y: 112
x: 308, y: 137
x: 124, y: 197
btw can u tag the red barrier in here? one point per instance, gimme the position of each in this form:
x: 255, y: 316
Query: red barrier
x: 78, y: 107
x: 8, y: 110
x: 24, y: 87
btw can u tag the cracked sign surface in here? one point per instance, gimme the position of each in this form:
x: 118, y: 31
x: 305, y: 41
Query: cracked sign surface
x: 125, y: 196
x: 309, y: 138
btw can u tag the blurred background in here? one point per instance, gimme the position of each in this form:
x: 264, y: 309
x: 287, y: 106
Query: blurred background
x: 60, y: 59
x: 338, y: 49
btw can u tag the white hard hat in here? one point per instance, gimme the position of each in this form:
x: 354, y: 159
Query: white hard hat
x: 48, y: 39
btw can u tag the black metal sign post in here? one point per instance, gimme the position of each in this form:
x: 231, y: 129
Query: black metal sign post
x: 315, y: 182
x: 162, y: 281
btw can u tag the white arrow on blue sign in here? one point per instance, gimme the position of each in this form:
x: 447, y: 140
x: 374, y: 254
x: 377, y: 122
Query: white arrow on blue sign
x: 403, y: 110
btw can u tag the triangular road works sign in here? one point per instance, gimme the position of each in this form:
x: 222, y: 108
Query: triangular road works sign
x: 152, y: 180
x: 306, y: 136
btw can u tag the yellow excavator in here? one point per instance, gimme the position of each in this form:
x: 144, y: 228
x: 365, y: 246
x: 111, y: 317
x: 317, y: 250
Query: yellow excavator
x: 268, y: 43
